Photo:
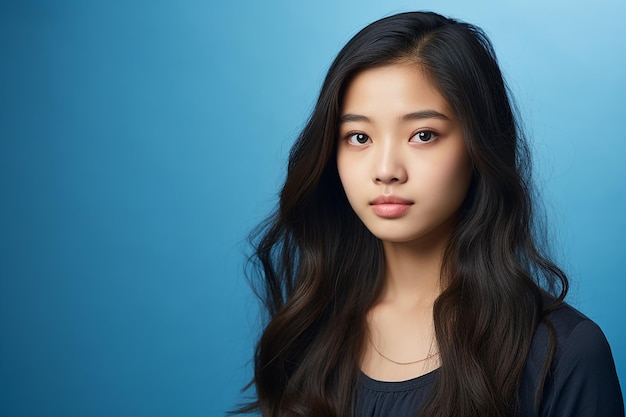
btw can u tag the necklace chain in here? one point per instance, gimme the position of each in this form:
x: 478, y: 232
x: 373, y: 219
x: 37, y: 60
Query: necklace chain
x: 430, y: 355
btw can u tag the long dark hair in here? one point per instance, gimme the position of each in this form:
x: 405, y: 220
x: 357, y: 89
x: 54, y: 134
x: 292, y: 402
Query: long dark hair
x: 321, y: 270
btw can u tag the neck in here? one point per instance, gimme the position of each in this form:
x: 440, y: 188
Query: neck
x: 402, y: 342
x: 413, y: 273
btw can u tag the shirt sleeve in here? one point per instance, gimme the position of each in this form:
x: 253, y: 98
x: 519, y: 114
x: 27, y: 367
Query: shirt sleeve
x: 584, y: 381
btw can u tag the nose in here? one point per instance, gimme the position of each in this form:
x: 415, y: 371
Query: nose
x: 389, y: 167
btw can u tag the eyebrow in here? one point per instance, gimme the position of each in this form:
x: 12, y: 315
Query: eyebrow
x: 418, y: 115
x: 425, y: 114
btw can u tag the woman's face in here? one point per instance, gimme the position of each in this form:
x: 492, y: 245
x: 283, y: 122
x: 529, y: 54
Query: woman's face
x: 401, y: 156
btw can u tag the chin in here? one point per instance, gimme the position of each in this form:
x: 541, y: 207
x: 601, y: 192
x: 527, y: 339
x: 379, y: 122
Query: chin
x: 430, y: 237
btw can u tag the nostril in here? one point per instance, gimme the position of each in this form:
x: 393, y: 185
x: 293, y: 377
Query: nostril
x: 392, y: 179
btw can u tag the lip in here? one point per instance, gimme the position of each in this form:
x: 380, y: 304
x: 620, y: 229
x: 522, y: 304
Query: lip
x: 389, y: 206
x: 390, y: 199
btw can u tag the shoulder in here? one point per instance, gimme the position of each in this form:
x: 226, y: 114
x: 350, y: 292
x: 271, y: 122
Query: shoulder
x: 579, y: 341
x: 576, y: 335
x: 581, y: 377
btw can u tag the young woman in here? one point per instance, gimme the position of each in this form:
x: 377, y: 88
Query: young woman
x: 400, y: 271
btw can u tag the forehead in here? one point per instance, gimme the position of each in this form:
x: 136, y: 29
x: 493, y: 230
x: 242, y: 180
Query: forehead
x: 392, y: 89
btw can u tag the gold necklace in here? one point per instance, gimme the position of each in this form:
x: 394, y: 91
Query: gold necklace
x: 430, y: 355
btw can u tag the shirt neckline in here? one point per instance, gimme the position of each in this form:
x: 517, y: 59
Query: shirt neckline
x: 398, y: 386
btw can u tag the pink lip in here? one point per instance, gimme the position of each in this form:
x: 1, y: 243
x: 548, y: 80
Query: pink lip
x: 390, y: 199
x: 390, y: 206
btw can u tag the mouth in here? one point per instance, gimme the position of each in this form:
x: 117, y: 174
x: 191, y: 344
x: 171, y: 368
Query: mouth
x: 390, y: 199
x: 390, y: 206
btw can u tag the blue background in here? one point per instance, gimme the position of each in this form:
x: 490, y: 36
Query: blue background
x: 140, y: 141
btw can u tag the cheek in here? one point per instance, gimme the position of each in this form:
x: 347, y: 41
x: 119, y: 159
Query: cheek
x: 456, y: 175
x: 353, y: 181
x: 347, y: 173
x: 446, y: 180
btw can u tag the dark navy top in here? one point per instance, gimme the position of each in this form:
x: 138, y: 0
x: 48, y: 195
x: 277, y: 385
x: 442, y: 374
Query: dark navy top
x: 582, y: 381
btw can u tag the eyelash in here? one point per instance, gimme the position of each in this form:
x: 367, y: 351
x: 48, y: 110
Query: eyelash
x: 350, y: 135
x: 433, y: 135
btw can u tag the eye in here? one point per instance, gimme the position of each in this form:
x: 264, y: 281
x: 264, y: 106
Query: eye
x: 357, y: 138
x: 424, y: 136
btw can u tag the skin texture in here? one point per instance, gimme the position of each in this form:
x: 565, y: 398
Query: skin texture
x: 396, y: 160
x: 398, y: 139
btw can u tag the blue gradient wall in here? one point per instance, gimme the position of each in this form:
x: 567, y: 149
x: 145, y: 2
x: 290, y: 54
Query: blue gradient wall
x: 140, y: 141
